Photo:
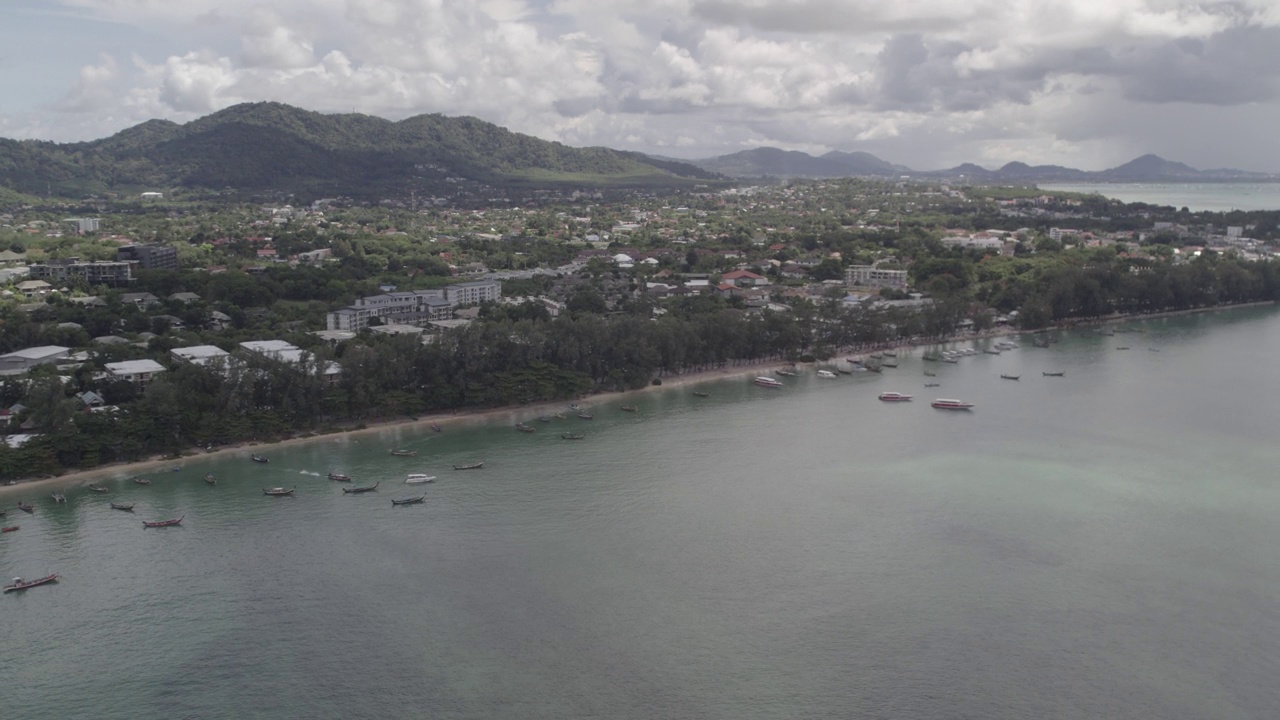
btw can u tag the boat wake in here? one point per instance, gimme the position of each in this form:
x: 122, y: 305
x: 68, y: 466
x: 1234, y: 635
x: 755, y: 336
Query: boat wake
x: 309, y: 472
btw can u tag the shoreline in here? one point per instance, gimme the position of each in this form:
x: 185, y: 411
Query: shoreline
x: 749, y: 368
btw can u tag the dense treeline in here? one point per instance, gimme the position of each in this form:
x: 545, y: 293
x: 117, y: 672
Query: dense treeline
x: 495, y: 363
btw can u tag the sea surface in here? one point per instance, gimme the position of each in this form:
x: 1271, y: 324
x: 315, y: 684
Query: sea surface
x: 1097, y: 545
x: 1197, y: 197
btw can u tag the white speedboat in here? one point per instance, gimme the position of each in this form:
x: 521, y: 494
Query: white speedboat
x: 767, y: 382
x: 419, y: 478
x: 826, y: 374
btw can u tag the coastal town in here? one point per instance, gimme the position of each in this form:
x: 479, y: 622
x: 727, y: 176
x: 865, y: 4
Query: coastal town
x: 301, y: 317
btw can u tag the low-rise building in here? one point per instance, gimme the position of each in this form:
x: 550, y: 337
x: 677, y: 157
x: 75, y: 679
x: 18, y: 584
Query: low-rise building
x: 873, y: 276
x: 103, y: 272
x: 20, y: 361
x: 138, y: 372
x: 200, y: 354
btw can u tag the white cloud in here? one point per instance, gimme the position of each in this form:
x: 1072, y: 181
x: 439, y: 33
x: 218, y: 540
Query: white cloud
x: 919, y: 80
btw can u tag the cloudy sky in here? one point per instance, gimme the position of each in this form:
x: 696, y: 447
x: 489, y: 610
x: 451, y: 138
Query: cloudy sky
x: 927, y: 83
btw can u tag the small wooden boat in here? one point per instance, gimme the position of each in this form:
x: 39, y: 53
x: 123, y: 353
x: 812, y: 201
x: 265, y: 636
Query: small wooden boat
x: 163, y: 523
x: 1010, y: 377
x: 339, y: 477
x: 470, y: 466
x: 701, y: 394
x: 930, y: 374
x: 365, y: 489
x: 888, y: 364
x: 786, y: 373
x: 259, y: 458
x: 24, y: 507
x: 119, y: 506
x: 11, y: 528
x: 20, y: 584
x: 436, y: 427
x: 142, y: 481
x: 545, y: 419
x: 279, y: 491
x: 572, y: 436
x: 1053, y: 374
x: 404, y: 453
x: 574, y: 406
x: 932, y: 384
x: 525, y: 428
x: 585, y: 415
x: 410, y: 501
x: 419, y: 478
x: 209, y: 478
x: 1123, y: 347
x: 628, y: 408
x: 58, y: 497
x: 98, y: 488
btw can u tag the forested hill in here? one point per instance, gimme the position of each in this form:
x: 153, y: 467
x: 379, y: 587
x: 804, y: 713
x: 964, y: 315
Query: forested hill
x: 256, y: 147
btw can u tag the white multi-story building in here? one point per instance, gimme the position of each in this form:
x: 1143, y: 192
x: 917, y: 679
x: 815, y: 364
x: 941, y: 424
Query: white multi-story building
x: 871, y: 275
x: 416, y: 308
x: 138, y: 372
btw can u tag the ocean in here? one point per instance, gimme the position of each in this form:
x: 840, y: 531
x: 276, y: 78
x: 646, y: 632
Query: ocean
x: 1100, y: 544
x: 1197, y: 197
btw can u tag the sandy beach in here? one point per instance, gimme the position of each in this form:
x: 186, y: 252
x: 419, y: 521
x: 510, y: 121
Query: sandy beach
x: 512, y: 413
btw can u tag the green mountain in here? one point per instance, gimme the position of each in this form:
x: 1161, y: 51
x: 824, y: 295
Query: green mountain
x: 256, y: 147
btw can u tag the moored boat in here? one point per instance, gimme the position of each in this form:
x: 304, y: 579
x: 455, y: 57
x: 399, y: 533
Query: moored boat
x: 339, y: 477
x: 142, y: 481
x: 545, y: 418
x: 210, y: 479
x: 1053, y: 374
x: 410, y: 501
x: 950, y: 404
x: 888, y: 364
x: 890, y: 353
x: 572, y: 436
x: 824, y: 374
x: 419, y: 478
x: 404, y: 453
x: 259, y: 458
x: 121, y: 506
x: 585, y: 415
x: 1009, y: 377
x: 163, y: 523
x: 98, y: 488
x: 628, y: 408
x: 365, y: 489
x: 933, y: 384
x: 24, y: 507
x: 435, y: 427
x: 20, y: 584
x: 894, y: 397
x: 768, y: 382
x: 58, y: 497
x: 697, y: 393
x: 278, y: 491
x: 525, y: 428
x: 11, y: 528
x: 786, y: 373
x: 470, y: 466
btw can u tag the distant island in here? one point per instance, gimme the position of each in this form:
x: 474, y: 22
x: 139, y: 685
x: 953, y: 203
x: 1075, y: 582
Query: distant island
x: 773, y: 162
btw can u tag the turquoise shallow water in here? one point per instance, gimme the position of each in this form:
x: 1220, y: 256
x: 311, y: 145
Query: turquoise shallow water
x: 1096, y: 545
x: 1196, y: 197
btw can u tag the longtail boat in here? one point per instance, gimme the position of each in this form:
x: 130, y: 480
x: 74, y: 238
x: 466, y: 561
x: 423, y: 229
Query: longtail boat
x: 365, y: 489
x: 24, y: 507
x: 697, y: 393
x: 404, y: 453
x: 1053, y: 374
x: 628, y: 408
x: 259, y: 458
x: 470, y: 466
x: 278, y: 492
x: 436, y: 427
x: 98, y: 488
x: 142, y: 481
x: 58, y: 497
x: 585, y: 415
x: 11, y: 528
x: 1009, y: 377
x: 410, y: 501
x: 572, y: 436
x: 209, y: 478
x: 118, y: 506
x: 20, y: 584
x: 339, y: 477
x: 163, y: 523
x: 525, y: 428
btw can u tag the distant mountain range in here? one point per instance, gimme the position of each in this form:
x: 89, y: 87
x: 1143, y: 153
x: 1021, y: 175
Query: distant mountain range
x: 255, y: 147
x: 775, y: 163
